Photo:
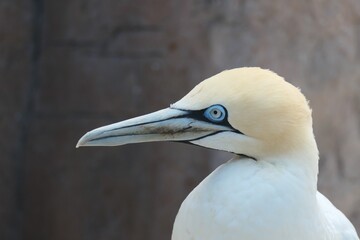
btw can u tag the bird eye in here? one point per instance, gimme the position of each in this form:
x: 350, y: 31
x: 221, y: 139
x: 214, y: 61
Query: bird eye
x: 215, y: 113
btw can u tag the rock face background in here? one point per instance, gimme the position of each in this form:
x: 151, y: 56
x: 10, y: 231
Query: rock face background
x: 69, y: 66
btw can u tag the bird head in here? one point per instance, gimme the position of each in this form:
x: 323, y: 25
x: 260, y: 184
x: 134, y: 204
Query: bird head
x: 246, y: 111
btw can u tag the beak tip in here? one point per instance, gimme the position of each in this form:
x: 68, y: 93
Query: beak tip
x: 82, y: 141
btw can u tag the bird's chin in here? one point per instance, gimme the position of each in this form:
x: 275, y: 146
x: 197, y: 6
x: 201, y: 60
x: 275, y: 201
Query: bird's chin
x: 231, y: 142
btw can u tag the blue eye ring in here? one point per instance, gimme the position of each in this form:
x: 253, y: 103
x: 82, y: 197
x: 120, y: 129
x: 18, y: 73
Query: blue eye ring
x: 215, y: 113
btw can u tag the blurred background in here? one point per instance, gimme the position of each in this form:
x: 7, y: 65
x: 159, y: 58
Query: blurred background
x: 69, y: 66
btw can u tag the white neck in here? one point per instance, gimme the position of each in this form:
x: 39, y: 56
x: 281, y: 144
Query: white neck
x: 302, y: 163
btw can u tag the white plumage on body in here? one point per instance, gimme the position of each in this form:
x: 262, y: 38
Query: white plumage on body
x: 269, y: 189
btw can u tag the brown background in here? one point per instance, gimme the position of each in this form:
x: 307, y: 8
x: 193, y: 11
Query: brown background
x: 71, y: 65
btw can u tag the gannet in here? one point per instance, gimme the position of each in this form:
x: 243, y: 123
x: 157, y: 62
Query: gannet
x: 269, y: 189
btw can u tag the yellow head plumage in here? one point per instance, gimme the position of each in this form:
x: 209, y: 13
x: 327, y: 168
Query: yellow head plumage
x: 249, y: 111
x: 260, y: 104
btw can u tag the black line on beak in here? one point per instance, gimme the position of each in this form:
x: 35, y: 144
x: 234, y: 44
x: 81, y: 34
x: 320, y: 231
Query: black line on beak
x: 144, y: 123
x: 192, y: 114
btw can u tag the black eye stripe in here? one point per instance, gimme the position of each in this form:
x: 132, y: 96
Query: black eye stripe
x: 199, y: 115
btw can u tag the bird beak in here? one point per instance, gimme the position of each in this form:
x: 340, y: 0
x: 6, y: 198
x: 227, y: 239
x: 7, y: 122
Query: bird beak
x: 169, y: 124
